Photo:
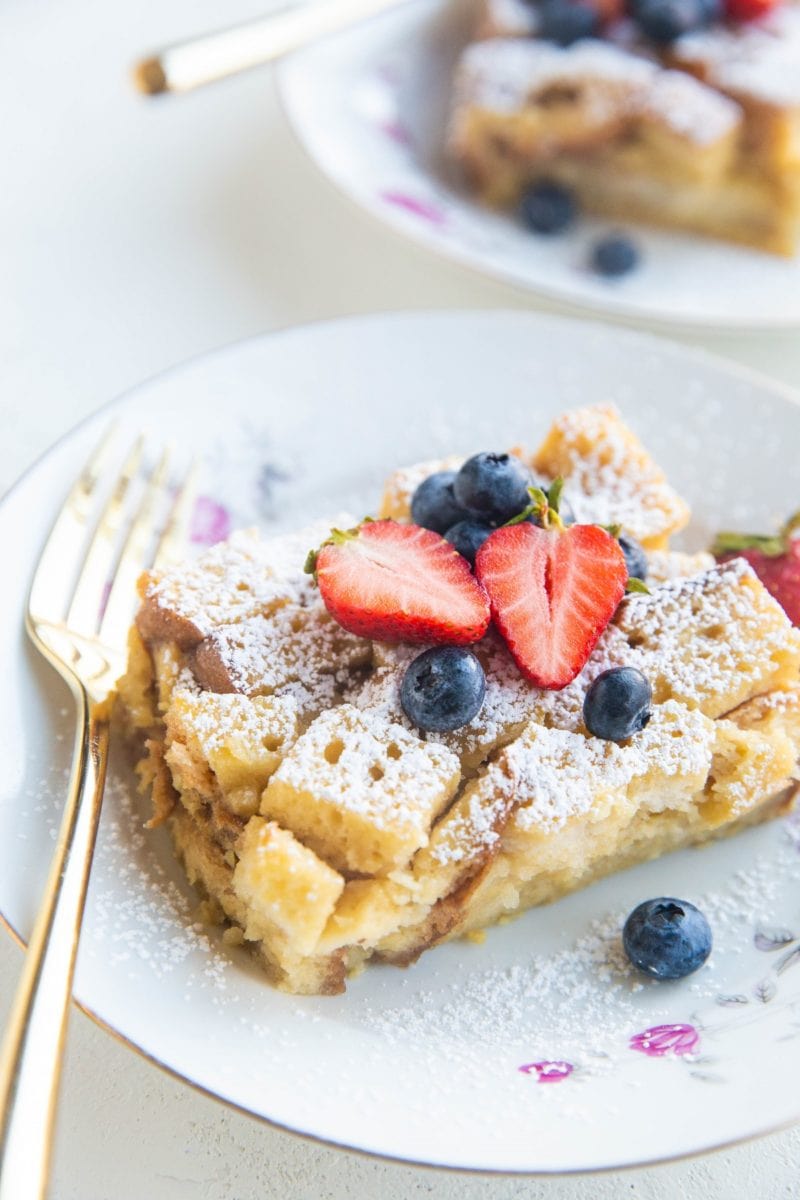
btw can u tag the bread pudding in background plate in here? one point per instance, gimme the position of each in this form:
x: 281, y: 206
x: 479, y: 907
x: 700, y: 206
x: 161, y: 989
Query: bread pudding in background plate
x: 681, y: 118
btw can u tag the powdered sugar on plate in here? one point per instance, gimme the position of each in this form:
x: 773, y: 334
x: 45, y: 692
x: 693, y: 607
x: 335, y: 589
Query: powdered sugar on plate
x: 585, y: 1000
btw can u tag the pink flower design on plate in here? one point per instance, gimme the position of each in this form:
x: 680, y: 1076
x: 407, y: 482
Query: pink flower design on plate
x: 210, y: 523
x: 548, y: 1071
x: 418, y: 208
x: 666, y: 1039
x: 397, y: 132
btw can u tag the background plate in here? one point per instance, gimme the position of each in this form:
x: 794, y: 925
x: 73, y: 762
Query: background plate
x: 371, y: 107
x: 425, y: 1065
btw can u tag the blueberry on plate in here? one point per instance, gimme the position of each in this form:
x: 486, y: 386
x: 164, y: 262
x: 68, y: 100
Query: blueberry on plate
x: 548, y: 208
x: 567, y: 21
x: 667, y: 938
x: 468, y: 536
x: 617, y: 704
x: 493, y: 486
x: 665, y: 20
x: 635, y: 557
x: 433, y: 505
x: 443, y: 689
x: 614, y: 255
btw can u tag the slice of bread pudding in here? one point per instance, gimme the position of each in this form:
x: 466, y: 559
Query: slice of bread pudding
x: 329, y: 830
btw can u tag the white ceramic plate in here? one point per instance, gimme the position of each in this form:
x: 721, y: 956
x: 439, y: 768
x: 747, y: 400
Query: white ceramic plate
x: 534, y: 1051
x: 371, y: 106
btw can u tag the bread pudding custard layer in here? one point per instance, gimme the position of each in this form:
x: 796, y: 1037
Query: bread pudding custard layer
x: 326, y: 830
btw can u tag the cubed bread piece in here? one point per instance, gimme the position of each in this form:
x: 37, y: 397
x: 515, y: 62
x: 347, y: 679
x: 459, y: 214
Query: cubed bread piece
x: 711, y: 641
x: 239, y: 740
x: 664, y: 565
x: 367, y: 911
x: 611, y: 479
x: 757, y: 63
x: 770, y: 711
x: 228, y: 583
x: 361, y: 791
x: 564, y: 777
x: 172, y: 676
x: 135, y: 688
x: 748, y: 766
x: 287, y: 967
x: 401, y: 485
x: 284, y: 886
x: 266, y: 654
x: 468, y: 835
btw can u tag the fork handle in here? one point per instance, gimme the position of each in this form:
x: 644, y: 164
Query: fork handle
x: 31, y: 1056
x: 214, y: 56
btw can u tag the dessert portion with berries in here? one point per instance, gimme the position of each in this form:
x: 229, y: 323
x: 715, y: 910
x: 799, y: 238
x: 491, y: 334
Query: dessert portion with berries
x: 682, y: 113
x: 504, y: 687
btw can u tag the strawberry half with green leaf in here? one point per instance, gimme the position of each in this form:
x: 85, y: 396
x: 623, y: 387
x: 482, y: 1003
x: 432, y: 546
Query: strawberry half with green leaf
x: 399, y: 583
x: 775, y: 560
x: 552, y: 589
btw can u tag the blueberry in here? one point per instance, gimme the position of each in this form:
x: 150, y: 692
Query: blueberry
x: 493, y: 485
x: 548, y: 208
x: 443, y: 689
x: 617, y: 704
x: 468, y: 536
x: 614, y: 255
x: 712, y: 11
x: 433, y: 505
x: 667, y: 938
x: 565, y: 21
x: 665, y: 20
x: 635, y: 557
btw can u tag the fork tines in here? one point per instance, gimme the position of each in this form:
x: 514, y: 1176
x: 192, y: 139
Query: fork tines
x: 113, y: 525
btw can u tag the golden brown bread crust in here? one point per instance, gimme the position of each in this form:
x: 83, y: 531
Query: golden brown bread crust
x: 157, y: 622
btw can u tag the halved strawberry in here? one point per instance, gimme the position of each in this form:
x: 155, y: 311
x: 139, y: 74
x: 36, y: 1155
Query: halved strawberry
x: 775, y: 560
x: 400, y: 583
x: 748, y: 10
x: 552, y: 591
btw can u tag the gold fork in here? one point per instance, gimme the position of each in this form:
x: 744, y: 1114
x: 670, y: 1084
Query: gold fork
x: 80, y: 625
x: 213, y: 56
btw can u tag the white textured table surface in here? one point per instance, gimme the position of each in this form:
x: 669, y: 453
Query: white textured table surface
x: 132, y: 235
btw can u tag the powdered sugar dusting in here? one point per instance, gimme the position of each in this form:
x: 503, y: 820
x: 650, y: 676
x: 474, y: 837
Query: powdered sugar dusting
x: 560, y: 775
x: 585, y: 1000
x: 712, y: 640
x: 611, y: 478
x: 299, y: 646
x: 241, y: 578
x: 378, y: 770
x: 612, y: 87
x: 759, y: 59
x: 663, y: 565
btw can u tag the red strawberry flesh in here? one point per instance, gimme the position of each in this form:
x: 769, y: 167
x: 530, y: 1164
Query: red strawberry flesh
x: 401, y: 583
x: 552, y: 593
x: 748, y: 10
